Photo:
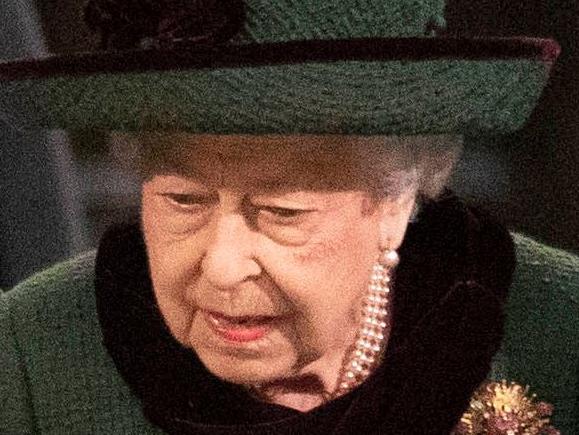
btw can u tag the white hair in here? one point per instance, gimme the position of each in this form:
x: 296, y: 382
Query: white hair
x: 388, y: 165
x: 424, y: 163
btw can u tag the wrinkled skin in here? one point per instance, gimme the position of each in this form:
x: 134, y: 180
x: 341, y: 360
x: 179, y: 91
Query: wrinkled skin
x: 253, y: 226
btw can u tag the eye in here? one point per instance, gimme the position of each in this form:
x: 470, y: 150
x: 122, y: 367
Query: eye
x: 282, y: 212
x: 187, y: 201
x: 291, y: 226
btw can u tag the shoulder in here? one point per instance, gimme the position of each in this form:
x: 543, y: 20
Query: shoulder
x: 539, y: 261
x: 58, y: 365
x: 53, y: 311
x: 53, y: 294
x: 541, y: 343
x: 545, y: 288
x: 29, y: 315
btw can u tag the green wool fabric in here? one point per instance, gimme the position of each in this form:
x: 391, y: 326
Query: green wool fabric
x: 57, y: 377
x: 294, y: 20
x: 367, y: 98
x: 401, y: 89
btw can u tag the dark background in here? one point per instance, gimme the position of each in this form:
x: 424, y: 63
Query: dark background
x: 57, y: 196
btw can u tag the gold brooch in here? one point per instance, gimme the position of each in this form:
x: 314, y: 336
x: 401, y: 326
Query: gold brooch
x: 499, y: 408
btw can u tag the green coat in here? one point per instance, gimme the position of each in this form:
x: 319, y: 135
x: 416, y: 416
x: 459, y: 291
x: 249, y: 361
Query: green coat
x: 56, y: 376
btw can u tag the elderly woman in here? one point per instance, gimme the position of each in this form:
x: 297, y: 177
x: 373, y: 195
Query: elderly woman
x: 297, y: 265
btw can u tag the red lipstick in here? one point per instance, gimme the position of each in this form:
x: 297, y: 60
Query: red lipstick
x: 239, y: 329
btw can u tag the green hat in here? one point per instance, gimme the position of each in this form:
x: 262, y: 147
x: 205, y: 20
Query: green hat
x: 369, y: 67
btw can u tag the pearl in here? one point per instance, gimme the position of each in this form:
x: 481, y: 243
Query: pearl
x: 389, y: 259
x: 377, y: 299
x: 367, y: 358
x: 369, y: 320
x: 362, y: 344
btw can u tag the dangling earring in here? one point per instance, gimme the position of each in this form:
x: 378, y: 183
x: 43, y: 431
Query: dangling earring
x: 366, y: 353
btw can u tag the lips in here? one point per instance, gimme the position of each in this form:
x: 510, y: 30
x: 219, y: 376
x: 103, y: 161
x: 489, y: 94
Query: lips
x: 239, y: 329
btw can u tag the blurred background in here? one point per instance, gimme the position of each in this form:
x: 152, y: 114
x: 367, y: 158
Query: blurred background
x: 59, y: 191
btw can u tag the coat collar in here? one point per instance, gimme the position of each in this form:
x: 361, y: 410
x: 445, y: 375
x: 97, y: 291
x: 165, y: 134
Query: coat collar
x: 456, y: 266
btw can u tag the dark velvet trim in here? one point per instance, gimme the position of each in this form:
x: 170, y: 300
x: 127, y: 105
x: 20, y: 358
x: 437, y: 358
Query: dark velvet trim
x: 456, y: 266
x: 299, y: 52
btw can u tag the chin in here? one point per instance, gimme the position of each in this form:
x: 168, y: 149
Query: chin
x: 245, y: 370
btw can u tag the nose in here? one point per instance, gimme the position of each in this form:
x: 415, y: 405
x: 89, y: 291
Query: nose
x: 230, y: 253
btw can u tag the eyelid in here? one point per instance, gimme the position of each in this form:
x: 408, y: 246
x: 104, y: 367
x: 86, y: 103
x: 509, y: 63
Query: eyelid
x: 192, y: 199
x: 284, y: 212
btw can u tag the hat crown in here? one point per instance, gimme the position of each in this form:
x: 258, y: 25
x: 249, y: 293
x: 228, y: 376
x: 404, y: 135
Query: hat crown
x: 293, y: 20
x: 127, y: 23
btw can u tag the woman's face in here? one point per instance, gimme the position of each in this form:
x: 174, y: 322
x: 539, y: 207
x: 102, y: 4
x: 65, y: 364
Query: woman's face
x: 258, y: 261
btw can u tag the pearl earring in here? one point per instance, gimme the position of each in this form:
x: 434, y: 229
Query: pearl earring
x: 367, y: 350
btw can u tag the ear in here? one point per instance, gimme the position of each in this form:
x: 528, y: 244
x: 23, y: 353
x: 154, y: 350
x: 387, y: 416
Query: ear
x: 394, y: 218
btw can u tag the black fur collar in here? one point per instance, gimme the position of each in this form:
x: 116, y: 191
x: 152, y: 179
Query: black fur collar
x: 455, y: 270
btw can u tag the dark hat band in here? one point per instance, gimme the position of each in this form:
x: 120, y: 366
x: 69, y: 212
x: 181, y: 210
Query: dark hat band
x: 247, y: 55
x: 125, y: 24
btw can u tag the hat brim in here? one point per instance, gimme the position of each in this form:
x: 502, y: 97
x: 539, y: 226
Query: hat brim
x: 368, y: 87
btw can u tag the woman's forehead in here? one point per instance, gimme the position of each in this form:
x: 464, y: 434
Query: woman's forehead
x: 283, y: 148
x: 274, y: 162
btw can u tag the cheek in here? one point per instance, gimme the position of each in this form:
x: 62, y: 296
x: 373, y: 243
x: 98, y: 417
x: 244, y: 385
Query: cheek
x: 333, y: 278
x: 173, y: 263
x: 344, y: 248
